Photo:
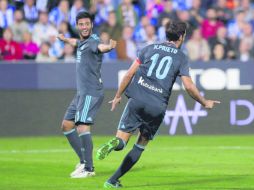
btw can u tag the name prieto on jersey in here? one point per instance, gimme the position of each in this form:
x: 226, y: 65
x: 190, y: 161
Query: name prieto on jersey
x: 142, y: 82
x: 166, y: 48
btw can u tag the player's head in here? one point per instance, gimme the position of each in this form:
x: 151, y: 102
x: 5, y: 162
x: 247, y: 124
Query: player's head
x: 84, y: 24
x: 176, y: 31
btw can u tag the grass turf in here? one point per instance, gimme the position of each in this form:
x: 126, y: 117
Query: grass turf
x: 175, y: 163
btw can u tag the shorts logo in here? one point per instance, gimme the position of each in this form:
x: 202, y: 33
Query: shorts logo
x: 89, y: 119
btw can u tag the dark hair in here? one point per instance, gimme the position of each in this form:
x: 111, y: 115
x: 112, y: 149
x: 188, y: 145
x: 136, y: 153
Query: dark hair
x: 175, y: 29
x: 83, y: 14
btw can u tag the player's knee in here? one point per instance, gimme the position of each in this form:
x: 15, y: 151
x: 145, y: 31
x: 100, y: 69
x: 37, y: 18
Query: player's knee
x: 67, y: 125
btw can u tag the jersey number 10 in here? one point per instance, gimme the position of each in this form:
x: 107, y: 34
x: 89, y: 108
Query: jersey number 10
x: 163, y: 67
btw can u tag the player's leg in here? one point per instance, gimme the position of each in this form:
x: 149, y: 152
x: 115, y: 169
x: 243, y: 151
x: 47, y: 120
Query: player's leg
x: 129, y: 161
x: 127, y: 124
x: 86, y: 112
x: 117, y: 143
x: 69, y: 130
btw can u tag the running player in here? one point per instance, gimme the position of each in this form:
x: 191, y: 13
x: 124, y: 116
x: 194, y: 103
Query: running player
x: 84, y: 106
x: 148, y: 84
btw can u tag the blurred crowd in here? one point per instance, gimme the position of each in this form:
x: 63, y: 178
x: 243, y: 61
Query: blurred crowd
x: 217, y: 29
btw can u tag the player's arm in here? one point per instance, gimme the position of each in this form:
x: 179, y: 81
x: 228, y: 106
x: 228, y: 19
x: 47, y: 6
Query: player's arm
x: 195, y: 94
x: 71, y: 41
x: 124, y: 83
x: 103, y: 48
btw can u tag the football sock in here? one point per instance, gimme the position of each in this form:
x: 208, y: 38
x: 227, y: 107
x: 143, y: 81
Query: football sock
x: 87, y: 144
x: 130, y: 159
x: 75, y: 143
x: 120, y: 145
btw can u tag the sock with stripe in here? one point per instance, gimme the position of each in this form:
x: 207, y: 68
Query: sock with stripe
x: 87, y: 144
x: 129, y: 161
x: 75, y: 142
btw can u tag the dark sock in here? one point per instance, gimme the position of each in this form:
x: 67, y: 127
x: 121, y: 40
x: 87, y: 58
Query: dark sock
x: 130, y: 159
x: 121, y: 144
x: 75, y: 143
x: 87, y: 143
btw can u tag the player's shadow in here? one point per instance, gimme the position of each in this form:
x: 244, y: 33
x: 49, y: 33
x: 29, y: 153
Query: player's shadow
x: 196, y: 181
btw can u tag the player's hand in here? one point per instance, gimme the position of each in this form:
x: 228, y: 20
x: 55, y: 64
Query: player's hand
x: 114, y: 102
x: 112, y: 44
x: 60, y: 37
x: 209, y: 104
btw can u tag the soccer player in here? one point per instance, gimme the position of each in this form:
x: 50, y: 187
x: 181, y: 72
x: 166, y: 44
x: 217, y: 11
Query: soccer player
x: 84, y: 106
x: 148, y: 84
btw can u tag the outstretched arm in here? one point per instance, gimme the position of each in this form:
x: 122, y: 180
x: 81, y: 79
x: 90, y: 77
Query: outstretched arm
x: 71, y: 41
x: 124, y: 83
x: 195, y: 94
x: 107, y: 47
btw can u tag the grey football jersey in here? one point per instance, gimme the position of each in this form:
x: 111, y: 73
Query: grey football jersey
x: 88, y: 60
x: 160, y: 64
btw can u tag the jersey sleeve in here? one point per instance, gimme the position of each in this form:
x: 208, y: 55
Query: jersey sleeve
x: 94, y: 45
x: 141, y: 56
x: 184, y: 67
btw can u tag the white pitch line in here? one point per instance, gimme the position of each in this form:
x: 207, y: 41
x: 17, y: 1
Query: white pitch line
x: 180, y: 148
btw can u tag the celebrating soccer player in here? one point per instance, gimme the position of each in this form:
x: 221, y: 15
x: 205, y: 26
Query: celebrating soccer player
x: 148, y: 84
x: 84, y: 106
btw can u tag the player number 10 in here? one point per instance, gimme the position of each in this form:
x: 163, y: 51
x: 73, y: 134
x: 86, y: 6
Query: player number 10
x: 165, y: 63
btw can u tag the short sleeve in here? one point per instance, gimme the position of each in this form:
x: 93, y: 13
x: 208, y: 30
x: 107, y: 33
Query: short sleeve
x: 93, y: 44
x: 184, y: 67
x: 141, y: 55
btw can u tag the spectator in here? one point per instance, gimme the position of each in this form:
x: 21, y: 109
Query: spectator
x: 236, y: 25
x: 9, y: 49
x: 41, y: 5
x: 224, y: 14
x: 42, y: 29
x: 30, y: 49
x: 126, y: 48
x: 31, y: 13
x: 77, y: 6
x: 154, y: 8
x: 197, y: 14
x: 56, y: 46
x: 184, y: 16
x: 68, y: 52
x: 244, y: 51
x: 168, y: 12
x: 43, y: 55
x: 161, y: 30
x: 197, y: 47
x: 60, y: 13
x: 139, y: 33
x: 210, y: 25
x: 246, y: 6
x: 101, y: 10
x: 222, y: 39
x: 105, y: 37
x: 126, y: 14
x: 64, y: 29
x: 182, y: 4
x: 112, y: 27
x: 248, y: 36
x: 19, y: 27
x: 6, y: 14
x: 151, y: 37
x: 218, y: 52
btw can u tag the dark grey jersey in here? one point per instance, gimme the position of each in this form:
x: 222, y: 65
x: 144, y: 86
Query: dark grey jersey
x: 88, y: 61
x: 160, y: 64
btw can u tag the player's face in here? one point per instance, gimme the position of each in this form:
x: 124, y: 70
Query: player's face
x: 84, y: 26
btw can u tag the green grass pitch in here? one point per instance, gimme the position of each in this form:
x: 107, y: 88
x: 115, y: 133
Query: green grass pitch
x: 174, y: 163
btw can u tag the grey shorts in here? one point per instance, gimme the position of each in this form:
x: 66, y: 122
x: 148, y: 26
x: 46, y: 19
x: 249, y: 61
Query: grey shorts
x: 83, y: 109
x: 142, y: 116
